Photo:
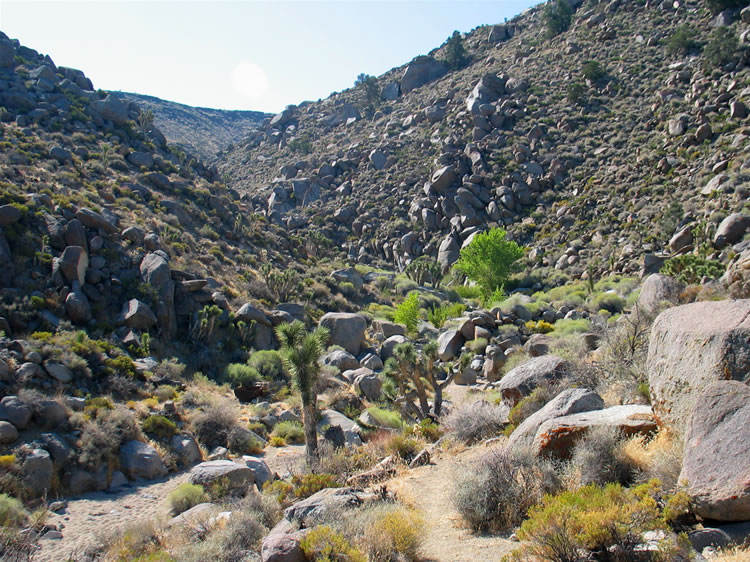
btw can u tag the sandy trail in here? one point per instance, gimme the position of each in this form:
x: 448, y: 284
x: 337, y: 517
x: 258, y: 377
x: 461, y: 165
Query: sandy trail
x: 92, y: 516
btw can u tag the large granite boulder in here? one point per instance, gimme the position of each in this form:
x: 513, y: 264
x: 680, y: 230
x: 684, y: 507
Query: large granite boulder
x: 312, y: 509
x: 330, y: 418
x: 522, y: 380
x: 282, y: 544
x: 37, y: 469
x: 659, y: 292
x: 141, y: 460
x: 571, y: 401
x: 15, y: 411
x: 450, y: 343
x: 557, y: 436
x: 342, y: 360
x: 347, y: 330
x: 716, y: 461
x: 692, y: 346
x: 238, y: 477
x: 420, y: 71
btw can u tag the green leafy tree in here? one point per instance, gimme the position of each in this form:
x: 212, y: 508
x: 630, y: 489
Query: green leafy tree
x: 488, y: 260
x: 300, y: 352
x: 455, y: 52
x: 407, y: 313
x: 557, y: 17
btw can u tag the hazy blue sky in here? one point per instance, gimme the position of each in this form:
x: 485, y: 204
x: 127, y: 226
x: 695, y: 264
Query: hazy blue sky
x: 260, y: 55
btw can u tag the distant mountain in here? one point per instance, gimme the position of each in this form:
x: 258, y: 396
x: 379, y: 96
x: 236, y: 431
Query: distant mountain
x: 200, y: 130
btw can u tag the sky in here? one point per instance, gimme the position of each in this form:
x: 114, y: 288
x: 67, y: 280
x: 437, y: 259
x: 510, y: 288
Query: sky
x: 251, y: 54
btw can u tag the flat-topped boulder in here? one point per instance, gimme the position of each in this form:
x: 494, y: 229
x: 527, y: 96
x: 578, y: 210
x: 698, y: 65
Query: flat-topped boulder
x: 692, y: 346
x: 556, y: 437
x: 312, y: 509
x: 238, y: 477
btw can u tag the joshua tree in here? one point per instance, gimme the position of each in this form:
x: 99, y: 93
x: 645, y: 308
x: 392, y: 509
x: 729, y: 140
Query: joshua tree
x: 300, y: 352
x: 411, y: 371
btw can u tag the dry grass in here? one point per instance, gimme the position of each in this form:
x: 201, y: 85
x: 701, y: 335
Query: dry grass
x: 659, y: 457
x: 736, y: 554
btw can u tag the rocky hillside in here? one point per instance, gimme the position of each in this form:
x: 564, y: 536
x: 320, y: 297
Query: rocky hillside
x: 593, y: 148
x: 198, y: 130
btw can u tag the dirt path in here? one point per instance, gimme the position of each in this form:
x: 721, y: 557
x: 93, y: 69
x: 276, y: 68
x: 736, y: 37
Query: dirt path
x: 98, y: 514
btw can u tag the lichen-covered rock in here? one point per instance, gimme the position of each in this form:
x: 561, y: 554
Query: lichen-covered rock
x: 716, y: 461
x: 692, y: 346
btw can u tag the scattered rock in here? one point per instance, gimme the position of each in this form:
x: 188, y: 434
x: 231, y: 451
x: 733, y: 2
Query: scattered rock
x: 347, y: 330
x: 140, y: 460
x: 239, y: 478
x: 522, y: 380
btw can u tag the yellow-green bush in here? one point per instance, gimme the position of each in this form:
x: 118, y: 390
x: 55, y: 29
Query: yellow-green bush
x: 160, y: 426
x: 289, y: 431
x: 12, y: 513
x: 395, y: 534
x: 185, y: 496
x: 323, y: 544
x: 539, y: 327
x: 593, y: 519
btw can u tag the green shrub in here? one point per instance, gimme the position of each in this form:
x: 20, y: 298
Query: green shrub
x: 595, y: 519
x: 241, y: 375
x: 682, y: 40
x: 593, y: 70
x: 477, y: 345
x: 720, y: 49
x: 539, y: 327
x: 386, y: 418
x: 468, y: 291
x: 566, y: 327
x: 611, y: 302
x: 427, y: 429
x: 489, y: 259
x: 407, y: 313
x: 268, y: 364
x: 503, y: 486
x: 574, y: 93
x: 530, y: 404
x: 557, y: 17
x: 308, y: 484
x: 691, y: 269
x: 12, y: 513
x: 403, y: 446
x: 455, y: 52
x: 290, y: 431
x: 185, y: 496
x: 165, y: 392
x: 437, y: 315
x: 160, y: 426
x: 324, y: 544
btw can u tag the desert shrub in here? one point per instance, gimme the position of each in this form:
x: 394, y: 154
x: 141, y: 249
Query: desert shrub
x: 324, y: 544
x: 268, y: 364
x: 276, y: 442
x: 289, y: 431
x: 682, y: 40
x: 455, y: 52
x: 595, y: 519
x: 574, y: 93
x: 344, y: 462
x: 242, y: 442
x: 239, y: 538
x: 240, y: 374
x: 165, y: 392
x: 386, y: 418
x: 557, y: 17
x: 393, y: 533
x: 477, y: 345
x: 280, y: 490
x: 691, y: 269
x: 7, y: 461
x: 212, y: 425
x: 593, y: 70
x: 720, y: 48
x: 427, y: 430
x: 12, y: 513
x: 566, y: 327
x: 160, y: 426
x: 438, y: 315
x: 138, y: 541
x: 504, y: 485
x: 185, y: 496
x: 539, y: 327
x: 402, y: 446
x: 477, y: 421
x: 598, y: 458
x: 308, y: 484
x: 97, y: 404
x: 101, y: 437
x: 611, y: 302
x: 407, y: 313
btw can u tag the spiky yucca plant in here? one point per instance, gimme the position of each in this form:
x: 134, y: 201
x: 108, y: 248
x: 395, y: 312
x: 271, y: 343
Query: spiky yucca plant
x: 300, y: 352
